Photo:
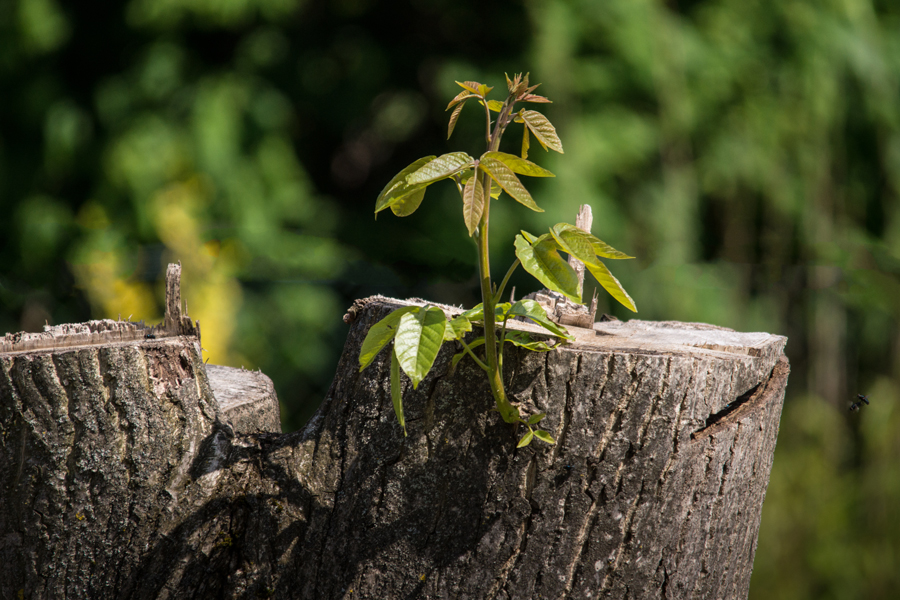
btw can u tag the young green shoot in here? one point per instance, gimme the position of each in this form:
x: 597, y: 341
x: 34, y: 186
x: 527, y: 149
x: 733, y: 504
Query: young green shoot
x: 418, y: 332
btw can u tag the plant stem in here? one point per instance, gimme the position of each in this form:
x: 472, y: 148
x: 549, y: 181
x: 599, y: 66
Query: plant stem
x: 472, y: 354
x: 509, y: 413
x: 503, y: 283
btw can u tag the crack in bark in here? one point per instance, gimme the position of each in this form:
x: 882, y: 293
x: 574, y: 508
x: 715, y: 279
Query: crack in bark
x: 676, y: 426
x: 568, y: 408
x: 627, y: 536
x: 614, y: 418
x: 583, y: 539
x: 716, y: 507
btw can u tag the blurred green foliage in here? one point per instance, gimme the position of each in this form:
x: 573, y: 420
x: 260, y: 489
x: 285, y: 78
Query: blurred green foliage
x: 748, y: 153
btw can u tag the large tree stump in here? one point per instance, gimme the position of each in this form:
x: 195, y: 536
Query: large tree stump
x: 122, y: 477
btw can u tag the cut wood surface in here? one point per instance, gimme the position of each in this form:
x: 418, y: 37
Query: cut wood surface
x: 122, y: 479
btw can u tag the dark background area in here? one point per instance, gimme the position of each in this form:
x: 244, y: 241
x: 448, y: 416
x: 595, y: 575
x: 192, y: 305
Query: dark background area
x: 748, y: 154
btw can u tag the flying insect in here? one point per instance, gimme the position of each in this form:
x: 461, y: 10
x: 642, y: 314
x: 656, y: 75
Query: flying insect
x: 855, y: 406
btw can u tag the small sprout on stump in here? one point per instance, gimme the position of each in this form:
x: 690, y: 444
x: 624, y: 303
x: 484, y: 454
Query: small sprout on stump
x: 418, y: 332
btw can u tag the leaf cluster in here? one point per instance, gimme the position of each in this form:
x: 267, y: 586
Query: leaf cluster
x: 418, y: 332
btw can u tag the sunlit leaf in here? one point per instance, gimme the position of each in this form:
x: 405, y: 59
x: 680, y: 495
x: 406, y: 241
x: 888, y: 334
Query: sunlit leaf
x: 495, y: 105
x: 544, y: 436
x: 440, y: 168
x: 476, y: 313
x: 543, y: 261
x: 526, y: 439
x: 397, y: 188
x: 379, y: 335
x: 536, y: 98
x: 519, y: 165
x: 531, y: 238
x: 473, y: 86
x: 473, y: 203
x: 604, y: 250
x: 459, y: 98
x: 523, y: 340
x: 407, y: 205
x: 508, y: 181
x: 457, y: 328
x: 526, y: 144
x: 542, y: 129
x: 533, y: 419
x: 484, y: 90
x: 534, y: 311
x: 418, y: 339
x: 575, y: 242
x: 454, y: 117
x: 611, y: 285
x: 396, y: 391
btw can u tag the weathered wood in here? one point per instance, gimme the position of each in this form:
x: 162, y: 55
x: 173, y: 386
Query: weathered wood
x: 246, y: 399
x: 121, y: 480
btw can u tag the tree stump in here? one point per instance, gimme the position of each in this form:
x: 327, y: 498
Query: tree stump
x: 122, y: 477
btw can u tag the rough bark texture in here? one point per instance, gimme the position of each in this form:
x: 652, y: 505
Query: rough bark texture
x: 121, y: 478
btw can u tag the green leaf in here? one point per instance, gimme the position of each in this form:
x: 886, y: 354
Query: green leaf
x: 440, y: 168
x: 542, y: 129
x: 396, y: 394
x: 473, y: 202
x: 544, y: 436
x: 534, y: 311
x: 474, y: 87
x: 484, y: 90
x: 575, y: 242
x: 397, y: 189
x: 526, y: 439
x: 500, y: 310
x: 542, y: 260
x: 582, y: 244
x: 523, y: 340
x: 496, y: 190
x: 494, y: 105
x: 536, y: 418
x: 476, y: 313
x: 457, y: 328
x: 603, y: 249
x: 407, y: 205
x: 454, y: 117
x: 531, y: 238
x: 379, y: 335
x: 611, y: 285
x: 519, y: 165
x: 418, y: 340
x: 463, y: 95
x: 526, y: 144
x: 503, y: 175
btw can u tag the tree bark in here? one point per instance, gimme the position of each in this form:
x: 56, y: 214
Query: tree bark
x: 122, y: 476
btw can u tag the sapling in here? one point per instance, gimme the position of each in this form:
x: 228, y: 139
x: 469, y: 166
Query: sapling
x: 418, y: 332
